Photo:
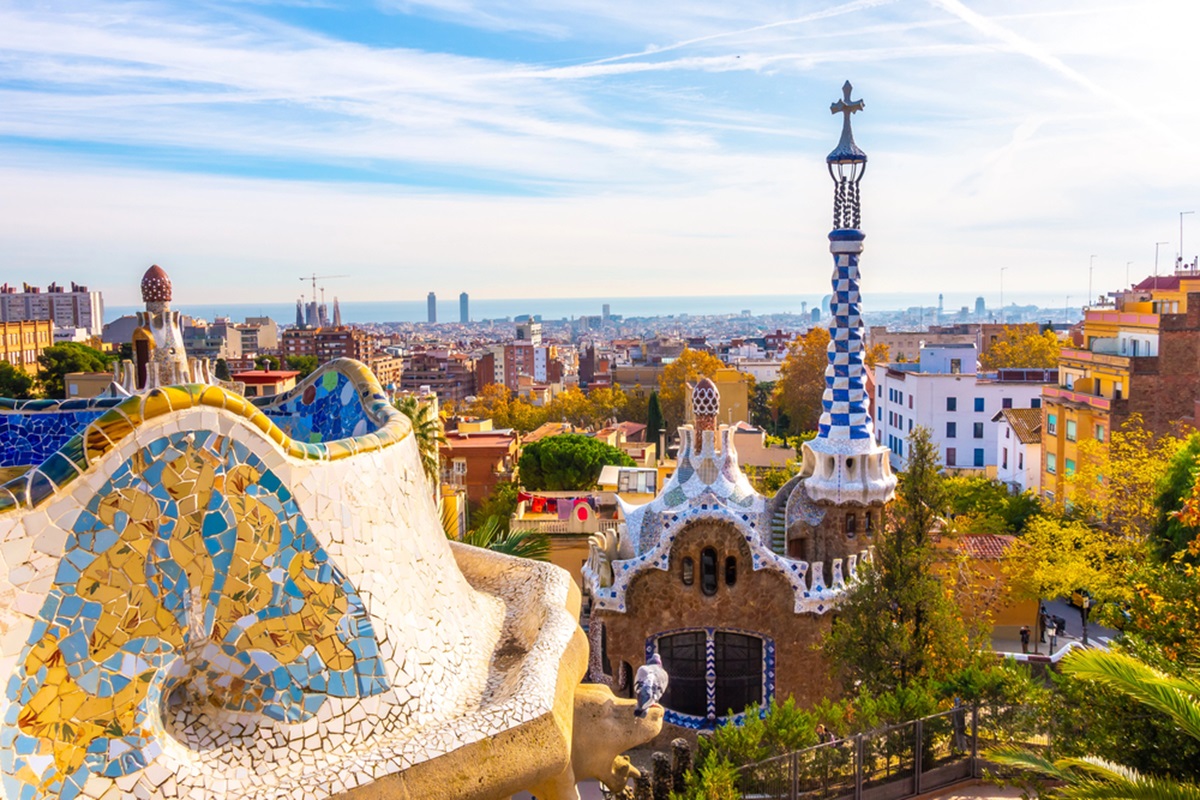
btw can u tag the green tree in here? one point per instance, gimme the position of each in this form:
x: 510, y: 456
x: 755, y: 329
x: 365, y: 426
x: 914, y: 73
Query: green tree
x: 567, y: 462
x: 500, y: 503
x: 801, y: 381
x: 983, y: 504
x: 1055, y: 557
x: 1116, y: 484
x: 266, y: 362
x: 427, y: 430
x: 1022, y: 347
x: 60, y: 359
x: 654, y: 420
x: 305, y: 365
x: 1174, y: 531
x: 1171, y: 697
x: 898, y: 625
x: 673, y: 391
x: 16, y: 383
x: 493, y: 534
x: 221, y: 370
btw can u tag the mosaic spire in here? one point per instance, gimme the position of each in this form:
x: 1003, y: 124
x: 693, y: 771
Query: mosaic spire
x: 844, y: 411
x: 844, y: 464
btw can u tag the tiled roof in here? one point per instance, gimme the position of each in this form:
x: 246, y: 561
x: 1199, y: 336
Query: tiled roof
x: 986, y: 545
x: 1168, y: 283
x: 1026, y: 423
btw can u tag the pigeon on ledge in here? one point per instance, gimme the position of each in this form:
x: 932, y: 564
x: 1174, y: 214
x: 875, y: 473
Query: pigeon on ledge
x: 649, y: 684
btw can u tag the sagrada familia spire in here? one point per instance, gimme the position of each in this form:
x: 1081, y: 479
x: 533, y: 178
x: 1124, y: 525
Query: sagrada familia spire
x: 844, y: 464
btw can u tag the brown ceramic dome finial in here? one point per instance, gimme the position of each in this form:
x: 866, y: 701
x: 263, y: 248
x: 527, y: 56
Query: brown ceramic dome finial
x: 706, y: 402
x: 156, y: 286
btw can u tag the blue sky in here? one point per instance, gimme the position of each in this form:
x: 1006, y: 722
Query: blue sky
x: 528, y: 148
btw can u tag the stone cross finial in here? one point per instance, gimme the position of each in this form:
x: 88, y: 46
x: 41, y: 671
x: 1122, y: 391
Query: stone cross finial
x: 846, y: 106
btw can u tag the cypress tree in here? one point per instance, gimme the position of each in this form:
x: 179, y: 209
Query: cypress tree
x: 654, y: 418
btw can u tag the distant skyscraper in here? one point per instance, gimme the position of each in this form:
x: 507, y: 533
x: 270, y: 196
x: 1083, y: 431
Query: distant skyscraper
x: 604, y: 311
x: 980, y: 307
x: 464, y: 312
x: 431, y: 301
x: 299, y: 312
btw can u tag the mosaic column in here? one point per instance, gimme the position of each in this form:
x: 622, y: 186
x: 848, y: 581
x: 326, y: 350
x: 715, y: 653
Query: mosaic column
x: 843, y: 464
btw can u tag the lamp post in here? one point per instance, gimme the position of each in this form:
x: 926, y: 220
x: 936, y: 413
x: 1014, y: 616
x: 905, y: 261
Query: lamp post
x: 1091, y: 266
x: 1002, y: 294
x: 1181, y: 214
x: 1156, y: 246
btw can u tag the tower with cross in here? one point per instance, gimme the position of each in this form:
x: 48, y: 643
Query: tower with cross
x: 844, y: 465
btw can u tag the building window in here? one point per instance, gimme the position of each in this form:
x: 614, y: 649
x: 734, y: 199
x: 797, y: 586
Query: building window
x: 955, y: 366
x: 868, y: 523
x: 979, y: 456
x: 1035, y: 402
x: 910, y: 400
x: 1004, y: 458
x: 1099, y: 433
x: 979, y: 404
x: 977, y: 430
x: 708, y: 571
x: 714, y: 674
x: 1070, y: 466
x: 951, y: 457
x: 1051, y: 463
x: 851, y: 525
x: 952, y: 404
x: 1020, y: 460
x: 730, y: 571
x: 1070, y: 430
x: 951, y: 430
x: 880, y: 390
x: 1007, y: 431
x: 687, y: 569
x: 1006, y: 402
x: 1051, y: 424
x: 910, y: 424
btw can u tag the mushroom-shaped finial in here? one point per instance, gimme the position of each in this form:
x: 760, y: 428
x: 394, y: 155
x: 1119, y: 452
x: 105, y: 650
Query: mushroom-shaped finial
x: 156, y: 286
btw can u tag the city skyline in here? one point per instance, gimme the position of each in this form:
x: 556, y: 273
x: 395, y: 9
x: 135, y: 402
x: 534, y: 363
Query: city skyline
x: 432, y: 145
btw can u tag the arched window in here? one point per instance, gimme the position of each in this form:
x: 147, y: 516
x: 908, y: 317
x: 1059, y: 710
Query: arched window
x: 730, y: 571
x: 708, y: 571
x: 851, y: 525
x: 688, y: 569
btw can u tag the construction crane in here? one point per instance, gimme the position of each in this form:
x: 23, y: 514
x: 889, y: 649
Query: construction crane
x: 315, y: 277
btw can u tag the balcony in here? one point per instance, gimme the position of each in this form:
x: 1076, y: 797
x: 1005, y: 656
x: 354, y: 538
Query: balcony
x: 1064, y: 395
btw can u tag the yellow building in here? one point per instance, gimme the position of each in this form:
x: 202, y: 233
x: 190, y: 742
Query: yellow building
x: 1138, y: 356
x: 22, y: 342
x: 734, y: 387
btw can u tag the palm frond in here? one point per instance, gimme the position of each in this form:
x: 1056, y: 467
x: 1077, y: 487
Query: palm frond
x: 1143, y: 683
x: 491, y: 535
x: 1146, y: 789
x: 1028, y: 760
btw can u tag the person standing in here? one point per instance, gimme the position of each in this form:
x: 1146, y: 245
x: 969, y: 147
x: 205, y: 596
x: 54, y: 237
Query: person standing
x: 1024, y: 638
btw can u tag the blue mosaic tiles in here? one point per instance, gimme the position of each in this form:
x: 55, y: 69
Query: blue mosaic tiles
x: 327, y: 409
x: 190, y: 582
x: 29, y: 437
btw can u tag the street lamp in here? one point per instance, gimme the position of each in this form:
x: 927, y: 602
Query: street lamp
x: 1091, y: 266
x: 1002, y: 294
x: 1181, y: 213
x: 1156, y: 246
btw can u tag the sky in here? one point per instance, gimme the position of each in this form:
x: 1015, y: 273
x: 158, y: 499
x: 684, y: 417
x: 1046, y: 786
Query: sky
x: 567, y: 148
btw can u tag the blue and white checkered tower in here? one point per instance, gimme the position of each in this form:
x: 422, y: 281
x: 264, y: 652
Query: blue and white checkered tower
x: 844, y: 464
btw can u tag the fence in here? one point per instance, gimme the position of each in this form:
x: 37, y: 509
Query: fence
x: 895, y: 762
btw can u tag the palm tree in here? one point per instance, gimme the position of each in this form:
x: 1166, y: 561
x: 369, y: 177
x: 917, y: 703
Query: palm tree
x: 1178, y: 698
x: 427, y: 429
x: 492, y: 535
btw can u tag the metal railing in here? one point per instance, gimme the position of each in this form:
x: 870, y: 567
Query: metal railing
x: 895, y: 762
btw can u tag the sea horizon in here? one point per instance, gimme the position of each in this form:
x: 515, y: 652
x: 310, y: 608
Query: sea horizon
x: 567, y: 308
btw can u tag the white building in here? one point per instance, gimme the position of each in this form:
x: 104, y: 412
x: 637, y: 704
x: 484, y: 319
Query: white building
x: 945, y: 393
x: 1019, y: 444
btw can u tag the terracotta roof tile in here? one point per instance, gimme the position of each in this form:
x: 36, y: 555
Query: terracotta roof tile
x: 986, y: 545
x: 1026, y: 423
